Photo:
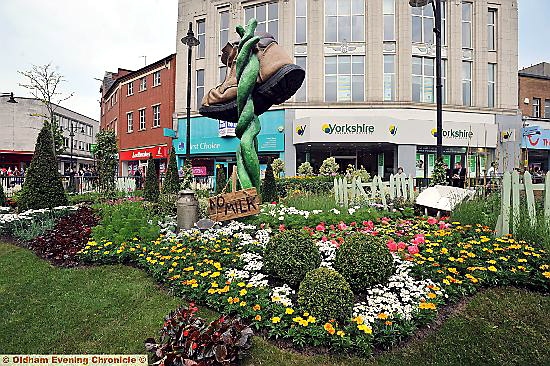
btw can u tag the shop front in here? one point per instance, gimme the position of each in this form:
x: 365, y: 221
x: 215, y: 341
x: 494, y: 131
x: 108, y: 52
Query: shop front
x: 536, y: 146
x: 214, y: 144
x: 381, y: 144
x: 134, y: 159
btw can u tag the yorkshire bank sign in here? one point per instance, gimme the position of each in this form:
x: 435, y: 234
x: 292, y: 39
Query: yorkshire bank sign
x: 385, y: 129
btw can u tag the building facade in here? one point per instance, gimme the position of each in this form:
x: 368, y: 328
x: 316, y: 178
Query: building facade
x: 369, y: 95
x: 534, y: 101
x: 139, y: 107
x: 21, y: 122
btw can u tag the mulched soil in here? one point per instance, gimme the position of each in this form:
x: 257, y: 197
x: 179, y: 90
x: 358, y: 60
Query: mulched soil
x: 60, y: 244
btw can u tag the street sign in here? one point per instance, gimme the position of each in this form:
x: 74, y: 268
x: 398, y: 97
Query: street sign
x: 233, y: 205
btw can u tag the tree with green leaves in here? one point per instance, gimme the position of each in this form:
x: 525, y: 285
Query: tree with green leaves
x: 221, y: 179
x: 151, y: 191
x: 187, y: 178
x: 269, y: 188
x: 439, y: 174
x: 171, y: 184
x: 43, y: 187
x: 106, y: 156
x: 43, y: 82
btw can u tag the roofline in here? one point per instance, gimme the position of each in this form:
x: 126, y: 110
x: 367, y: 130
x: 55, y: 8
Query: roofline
x: 57, y: 105
x: 137, y: 72
x: 529, y: 75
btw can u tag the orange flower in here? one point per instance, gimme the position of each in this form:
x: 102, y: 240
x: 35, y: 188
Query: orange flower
x: 258, y: 317
x: 256, y: 307
x: 383, y: 316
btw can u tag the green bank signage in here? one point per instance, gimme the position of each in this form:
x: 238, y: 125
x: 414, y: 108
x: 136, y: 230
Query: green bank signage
x: 347, y: 128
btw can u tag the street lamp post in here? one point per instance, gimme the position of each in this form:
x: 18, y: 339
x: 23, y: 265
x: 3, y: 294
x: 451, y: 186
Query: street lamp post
x: 436, y: 4
x: 190, y: 41
x: 11, y: 100
x: 71, y: 135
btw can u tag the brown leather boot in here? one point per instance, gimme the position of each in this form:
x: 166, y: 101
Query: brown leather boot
x: 278, y: 80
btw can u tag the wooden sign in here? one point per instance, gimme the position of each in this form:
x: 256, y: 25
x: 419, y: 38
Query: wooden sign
x: 233, y: 205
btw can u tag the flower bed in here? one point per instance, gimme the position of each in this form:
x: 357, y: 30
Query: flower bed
x: 31, y: 223
x: 223, y: 269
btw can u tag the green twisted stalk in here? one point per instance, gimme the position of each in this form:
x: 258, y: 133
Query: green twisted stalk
x: 248, y: 125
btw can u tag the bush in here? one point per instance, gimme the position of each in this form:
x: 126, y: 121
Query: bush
x: 42, y: 187
x: 2, y: 196
x: 187, y: 340
x: 106, y: 153
x: 317, y: 185
x: 151, y: 192
x: 326, y: 294
x: 290, y: 254
x: 329, y: 167
x: 278, y: 167
x: 364, y: 261
x: 480, y: 210
x: 269, y: 188
x: 171, y: 184
x: 305, y: 169
x: 221, y: 180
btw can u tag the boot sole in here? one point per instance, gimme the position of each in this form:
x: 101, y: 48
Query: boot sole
x: 277, y: 89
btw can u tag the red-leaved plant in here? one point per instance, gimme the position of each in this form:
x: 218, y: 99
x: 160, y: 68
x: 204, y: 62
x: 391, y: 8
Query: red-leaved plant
x: 188, y: 340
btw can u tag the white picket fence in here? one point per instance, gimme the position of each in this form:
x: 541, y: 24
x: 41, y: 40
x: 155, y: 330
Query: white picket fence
x: 511, y: 188
x: 399, y: 186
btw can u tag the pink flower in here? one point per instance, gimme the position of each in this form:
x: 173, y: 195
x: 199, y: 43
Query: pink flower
x: 392, y: 245
x: 320, y: 227
x: 262, y: 225
x: 413, y: 249
x: 324, y: 238
x: 384, y: 220
x: 334, y: 242
x: 342, y: 226
x: 369, y: 225
x: 418, y: 239
x: 443, y: 225
x: 282, y: 227
x: 432, y: 220
x: 401, y: 245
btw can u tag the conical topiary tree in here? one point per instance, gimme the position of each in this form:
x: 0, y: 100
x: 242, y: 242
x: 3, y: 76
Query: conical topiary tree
x: 439, y: 175
x: 151, y: 191
x: 2, y: 195
x: 221, y: 179
x: 269, y: 188
x: 43, y: 187
x: 171, y: 184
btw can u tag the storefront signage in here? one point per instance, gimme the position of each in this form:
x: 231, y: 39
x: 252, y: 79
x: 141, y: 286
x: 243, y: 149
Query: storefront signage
x: 157, y: 152
x: 319, y: 128
x: 199, y: 171
x: 233, y: 205
x: 226, y: 129
x: 536, y: 139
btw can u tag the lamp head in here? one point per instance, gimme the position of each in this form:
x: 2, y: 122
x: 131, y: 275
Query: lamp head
x: 418, y: 3
x: 190, y: 40
x: 12, y: 99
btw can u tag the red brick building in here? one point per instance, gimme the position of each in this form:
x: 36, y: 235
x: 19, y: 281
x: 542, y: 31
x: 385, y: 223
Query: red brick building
x: 138, y: 106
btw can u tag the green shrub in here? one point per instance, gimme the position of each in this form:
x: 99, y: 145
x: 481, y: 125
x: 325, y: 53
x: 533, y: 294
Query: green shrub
x: 290, y: 254
x: 269, y: 189
x: 364, y: 261
x: 329, y: 167
x: 278, y: 167
x: 2, y: 196
x: 171, y: 184
x: 151, y: 191
x: 305, y: 169
x: 480, y: 210
x: 43, y: 187
x: 221, y: 180
x: 326, y: 294
x: 315, y: 184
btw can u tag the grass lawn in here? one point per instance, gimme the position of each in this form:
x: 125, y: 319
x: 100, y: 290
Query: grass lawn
x: 112, y: 309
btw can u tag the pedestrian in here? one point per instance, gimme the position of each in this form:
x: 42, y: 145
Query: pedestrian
x: 138, y: 177
x: 459, y: 175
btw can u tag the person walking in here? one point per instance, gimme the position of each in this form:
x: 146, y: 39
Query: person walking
x: 459, y: 175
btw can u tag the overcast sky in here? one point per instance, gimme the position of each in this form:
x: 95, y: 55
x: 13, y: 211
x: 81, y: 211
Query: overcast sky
x: 84, y: 38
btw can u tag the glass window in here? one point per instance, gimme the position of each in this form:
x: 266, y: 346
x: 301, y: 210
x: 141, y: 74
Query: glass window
x: 142, y: 119
x: 224, y: 28
x: 267, y: 16
x: 466, y: 83
x: 156, y: 116
x: 423, y: 80
x: 536, y: 107
x: 222, y: 73
x: 389, y: 77
x: 156, y: 78
x: 301, y: 94
x: 466, y: 24
x: 200, y: 87
x: 389, y: 20
x: 130, y: 88
x: 130, y: 120
x: 492, y: 29
x: 344, y: 78
x: 301, y: 21
x: 547, y: 108
x: 491, y: 85
x: 201, y: 36
x: 142, y: 84
x: 344, y: 20
x: 423, y: 23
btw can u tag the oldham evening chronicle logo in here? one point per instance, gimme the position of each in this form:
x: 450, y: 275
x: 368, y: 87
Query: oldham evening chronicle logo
x: 347, y: 129
x: 300, y: 130
x: 393, y: 130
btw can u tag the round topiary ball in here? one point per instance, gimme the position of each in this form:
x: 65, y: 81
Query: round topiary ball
x: 364, y: 261
x: 326, y: 295
x: 290, y: 254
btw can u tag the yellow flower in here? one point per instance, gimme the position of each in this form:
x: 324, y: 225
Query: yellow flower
x: 258, y: 317
x: 340, y: 333
x: 242, y: 292
x: 546, y: 274
x: 492, y: 268
x: 329, y: 328
x: 431, y: 295
x: 358, y: 320
x: 365, y: 328
x: 289, y: 311
x: 311, y: 319
x: 241, y: 284
x: 427, y: 306
x: 243, y: 303
x: 383, y: 316
x: 275, y: 319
